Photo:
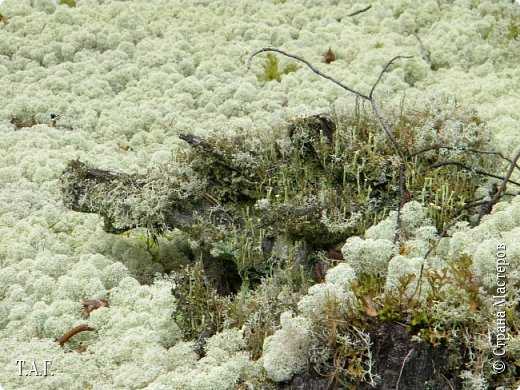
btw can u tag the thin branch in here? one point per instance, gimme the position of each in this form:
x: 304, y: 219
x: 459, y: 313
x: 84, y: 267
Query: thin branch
x: 424, y: 51
x: 369, y: 97
x: 310, y: 66
x: 474, y: 204
x: 72, y: 332
x: 385, y: 69
x: 479, y: 171
x: 388, y: 131
x: 480, y: 202
x: 462, y: 148
x: 402, y: 368
x: 449, y: 383
x: 502, y: 188
x: 359, y: 11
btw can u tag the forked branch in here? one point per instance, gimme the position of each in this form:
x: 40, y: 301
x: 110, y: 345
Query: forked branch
x: 310, y: 66
x: 385, y: 69
x: 370, y: 97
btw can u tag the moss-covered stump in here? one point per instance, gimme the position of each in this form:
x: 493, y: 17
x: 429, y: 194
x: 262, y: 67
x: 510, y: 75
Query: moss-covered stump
x: 264, y: 214
x: 310, y: 185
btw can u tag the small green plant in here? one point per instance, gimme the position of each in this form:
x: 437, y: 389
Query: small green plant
x: 70, y: 3
x: 272, y: 69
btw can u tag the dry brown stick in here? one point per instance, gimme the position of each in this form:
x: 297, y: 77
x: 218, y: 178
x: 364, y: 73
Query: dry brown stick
x: 480, y: 202
x: 359, y: 11
x: 72, y: 332
x: 375, y: 107
x: 449, y: 383
x: 388, y: 131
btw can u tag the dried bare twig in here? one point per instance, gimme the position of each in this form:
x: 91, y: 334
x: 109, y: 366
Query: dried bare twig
x: 462, y: 148
x: 447, y: 380
x: 369, y: 97
x: 402, y: 189
x: 385, y: 69
x: 487, y: 207
x: 72, y: 332
x: 359, y: 11
x: 476, y: 170
x: 402, y: 367
x: 425, y: 53
x: 309, y: 65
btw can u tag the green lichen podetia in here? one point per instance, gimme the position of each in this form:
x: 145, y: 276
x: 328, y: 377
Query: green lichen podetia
x: 272, y: 70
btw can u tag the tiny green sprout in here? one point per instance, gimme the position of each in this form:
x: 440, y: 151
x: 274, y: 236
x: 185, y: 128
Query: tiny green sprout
x: 70, y: 3
x: 272, y: 70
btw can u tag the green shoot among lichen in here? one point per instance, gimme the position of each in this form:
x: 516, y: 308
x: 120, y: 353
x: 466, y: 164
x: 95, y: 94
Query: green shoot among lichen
x: 70, y: 3
x: 272, y: 69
